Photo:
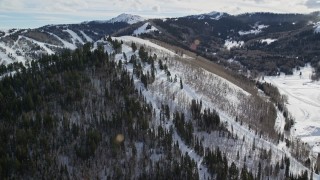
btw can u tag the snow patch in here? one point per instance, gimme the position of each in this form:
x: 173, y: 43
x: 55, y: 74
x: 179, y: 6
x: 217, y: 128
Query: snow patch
x: 231, y: 44
x: 268, y: 41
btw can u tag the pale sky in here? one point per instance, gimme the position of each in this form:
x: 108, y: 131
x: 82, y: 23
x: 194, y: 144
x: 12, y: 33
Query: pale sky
x: 36, y: 13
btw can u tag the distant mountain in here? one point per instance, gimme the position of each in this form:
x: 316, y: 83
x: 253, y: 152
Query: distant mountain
x: 127, y: 18
x: 22, y: 45
x: 262, y: 36
x: 122, y: 18
x: 212, y: 15
x: 262, y: 42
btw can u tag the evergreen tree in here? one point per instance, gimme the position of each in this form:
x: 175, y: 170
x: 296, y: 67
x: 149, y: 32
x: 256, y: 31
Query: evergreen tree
x: 233, y: 172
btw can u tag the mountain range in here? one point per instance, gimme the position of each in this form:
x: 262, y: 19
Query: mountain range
x: 246, y: 38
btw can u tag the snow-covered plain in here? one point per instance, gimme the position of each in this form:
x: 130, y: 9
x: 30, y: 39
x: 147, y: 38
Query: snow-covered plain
x: 303, y: 103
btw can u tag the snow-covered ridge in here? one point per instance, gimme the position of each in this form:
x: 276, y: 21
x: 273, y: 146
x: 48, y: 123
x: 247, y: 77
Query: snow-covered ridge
x: 146, y: 28
x: 256, y: 29
x: 214, y: 15
x: 140, y: 41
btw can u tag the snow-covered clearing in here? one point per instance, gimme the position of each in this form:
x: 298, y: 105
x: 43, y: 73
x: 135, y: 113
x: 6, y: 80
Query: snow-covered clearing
x: 303, y: 103
x: 231, y: 44
x: 268, y: 41
x: 257, y: 29
x: 65, y: 43
x: 144, y: 29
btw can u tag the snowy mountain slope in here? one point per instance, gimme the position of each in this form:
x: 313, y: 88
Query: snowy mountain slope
x: 303, y: 103
x: 163, y: 91
x: 75, y: 38
x: 88, y: 39
x: 21, y: 45
x: 127, y: 18
x: 25, y: 48
x: 65, y: 43
x: 146, y: 28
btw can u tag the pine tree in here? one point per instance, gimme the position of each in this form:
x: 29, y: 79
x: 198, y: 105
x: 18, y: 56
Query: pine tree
x: 181, y: 85
x: 259, y: 171
x: 233, y: 172
x: 133, y: 46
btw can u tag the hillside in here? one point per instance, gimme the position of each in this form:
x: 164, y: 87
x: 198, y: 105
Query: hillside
x: 263, y: 43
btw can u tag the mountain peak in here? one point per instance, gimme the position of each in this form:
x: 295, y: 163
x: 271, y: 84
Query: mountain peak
x: 128, y: 18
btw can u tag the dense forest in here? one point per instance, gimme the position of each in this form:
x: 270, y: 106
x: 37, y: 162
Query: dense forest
x: 77, y: 115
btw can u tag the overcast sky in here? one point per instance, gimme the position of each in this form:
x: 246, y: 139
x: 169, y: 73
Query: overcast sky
x: 35, y: 13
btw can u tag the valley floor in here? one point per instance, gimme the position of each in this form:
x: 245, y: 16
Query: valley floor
x: 303, y: 103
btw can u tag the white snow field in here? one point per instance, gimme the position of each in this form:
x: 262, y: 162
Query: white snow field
x: 303, y: 103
